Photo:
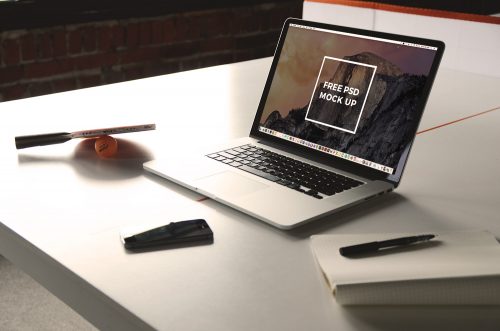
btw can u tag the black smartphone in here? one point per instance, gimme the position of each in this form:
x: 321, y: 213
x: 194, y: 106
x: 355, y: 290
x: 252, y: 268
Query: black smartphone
x: 182, y: 233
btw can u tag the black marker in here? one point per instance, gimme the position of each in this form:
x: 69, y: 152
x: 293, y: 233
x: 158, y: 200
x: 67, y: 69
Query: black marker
x: 376, y: 245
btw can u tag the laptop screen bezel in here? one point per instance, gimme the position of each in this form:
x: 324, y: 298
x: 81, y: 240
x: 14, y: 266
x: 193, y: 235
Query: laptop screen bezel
x: 331, y: 160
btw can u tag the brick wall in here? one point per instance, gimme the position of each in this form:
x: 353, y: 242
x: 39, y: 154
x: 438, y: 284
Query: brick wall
x: 39, y: 61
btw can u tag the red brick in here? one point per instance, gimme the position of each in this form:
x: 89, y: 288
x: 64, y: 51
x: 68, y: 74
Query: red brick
x: 11, y: 74
x: 89, y: 81
x: 264, y: 51
x: 75, y: 42
x: 89, y: 38
x: 157, y: 32
x: 189, y: 64
x: 132, y: 35
x: 246, y: 21
x: 248, y: 41
x: 145, y: 33
x: 213, y: 24
x: 109, y: 59
x: 167, y: 67
x: 40, y: 88
x: 44, y: 46
x: 62, y: 85
x: 224, y: 21
x: 181, y: 30
x: 256, y: 40
x: 195, y: 26
x: 215, y: 59
x: 59, y: 43
x: 181, y: 49
x: 47, y: 69
x: 13, y: 92
x: 118, y: 36
x: 28, y: 49
x: 93, y: 61
x: 134, y: 72
x: 141, y: 55
x: 216, y: 44
x: 105, y: 38
x: 11, y: 51
x: 244, y: 55
x: 153, y: 68
x: 272, y: 18
x: 169, y: 32
x: 110, y: 76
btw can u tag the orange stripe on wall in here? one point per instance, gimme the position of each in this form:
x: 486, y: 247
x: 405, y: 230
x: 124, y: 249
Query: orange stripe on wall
x: 413, y: 10
x: 458, y: 120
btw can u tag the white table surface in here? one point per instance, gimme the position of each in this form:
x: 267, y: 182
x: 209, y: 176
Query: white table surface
x: 61, y: 208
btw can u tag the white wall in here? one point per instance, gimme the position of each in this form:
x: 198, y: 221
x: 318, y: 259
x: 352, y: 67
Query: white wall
x: 470, y: 46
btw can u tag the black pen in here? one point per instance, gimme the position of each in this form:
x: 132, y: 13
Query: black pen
x: 376, y: 245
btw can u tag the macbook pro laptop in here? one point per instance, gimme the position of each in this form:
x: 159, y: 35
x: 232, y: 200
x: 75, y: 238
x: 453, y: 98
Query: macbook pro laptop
x: 334, y: 127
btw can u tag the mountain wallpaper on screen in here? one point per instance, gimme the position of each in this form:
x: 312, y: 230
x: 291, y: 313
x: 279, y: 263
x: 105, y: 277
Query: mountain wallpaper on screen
x: 387, y: 121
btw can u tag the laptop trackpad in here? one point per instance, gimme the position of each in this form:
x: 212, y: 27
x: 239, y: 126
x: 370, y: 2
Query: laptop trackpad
x: 229, y: 183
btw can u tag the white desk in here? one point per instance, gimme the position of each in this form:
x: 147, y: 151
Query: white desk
x: 62, y: 208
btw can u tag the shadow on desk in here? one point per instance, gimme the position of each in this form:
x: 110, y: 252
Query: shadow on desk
x: 362, y: 212
x: 398, y: 318
x: 350, y: 214
x: 125, y: 164
x: 321, y: 225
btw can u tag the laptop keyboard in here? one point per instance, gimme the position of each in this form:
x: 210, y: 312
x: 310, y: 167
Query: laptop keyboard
x: 297, y: 175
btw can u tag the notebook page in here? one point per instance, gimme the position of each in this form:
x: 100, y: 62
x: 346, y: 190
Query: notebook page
x: 458, y: 254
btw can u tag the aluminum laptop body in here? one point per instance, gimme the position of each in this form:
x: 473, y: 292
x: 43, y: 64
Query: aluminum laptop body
x: 340, y: 99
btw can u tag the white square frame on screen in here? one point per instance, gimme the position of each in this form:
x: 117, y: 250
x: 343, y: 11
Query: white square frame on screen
x: 364, y: 101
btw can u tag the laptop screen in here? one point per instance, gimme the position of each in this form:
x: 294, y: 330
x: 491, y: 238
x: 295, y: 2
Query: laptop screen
x: 358, y: 97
